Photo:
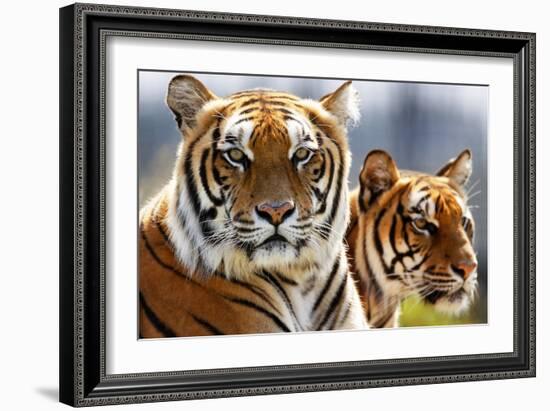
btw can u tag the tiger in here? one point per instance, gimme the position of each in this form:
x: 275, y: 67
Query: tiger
x: 411, y: 233
x: 248, y: 234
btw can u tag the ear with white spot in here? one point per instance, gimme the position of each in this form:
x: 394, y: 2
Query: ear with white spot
x: 378, y: 175
x: 186, y: 96
x: 343, y: 104
x: 458, y: 169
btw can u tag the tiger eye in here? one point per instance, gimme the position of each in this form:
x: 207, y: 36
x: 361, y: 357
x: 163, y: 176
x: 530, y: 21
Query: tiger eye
x: 421, y: 223
x: 235, y: 155
x: 301, y: 153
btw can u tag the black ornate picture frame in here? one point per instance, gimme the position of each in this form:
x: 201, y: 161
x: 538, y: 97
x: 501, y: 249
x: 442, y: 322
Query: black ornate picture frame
x: 83, y: 32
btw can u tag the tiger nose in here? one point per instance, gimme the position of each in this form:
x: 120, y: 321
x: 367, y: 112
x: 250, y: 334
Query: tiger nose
x: 275, y: 211
x: 465, y: 267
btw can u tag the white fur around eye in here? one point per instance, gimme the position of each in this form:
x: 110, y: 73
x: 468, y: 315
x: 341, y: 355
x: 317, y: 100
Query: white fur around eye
x: 301, y: 161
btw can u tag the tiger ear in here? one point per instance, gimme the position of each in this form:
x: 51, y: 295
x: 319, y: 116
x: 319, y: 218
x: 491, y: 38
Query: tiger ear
x: 343, y: 104
x: 186, y: 96
x: 379, y: 174
x: 458, y: 169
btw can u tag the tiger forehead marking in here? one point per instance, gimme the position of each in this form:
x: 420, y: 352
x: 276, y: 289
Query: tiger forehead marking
x: 264, y: 114
x: 433, y: 198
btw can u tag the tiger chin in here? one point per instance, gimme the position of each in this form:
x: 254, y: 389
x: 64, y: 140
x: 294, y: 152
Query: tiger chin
x: 247, y: 236
x: 412, y: 233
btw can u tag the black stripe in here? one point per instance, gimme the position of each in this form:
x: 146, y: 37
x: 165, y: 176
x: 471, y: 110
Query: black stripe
x: 329, y: 185
x: 336, y: 200
x: 360, y: 199
x: 242, y: 120
x: 219, y: 179
x: 351, y: 226
x: 283, y: 110
x: 163, y: 234
x: 285, y: 279
x: 317, y: 193
x: 378, y: 242
x: 189, y: 180
x: 246, y: 93
x: 345, y: 317
x: 167, y: 266
x: 281, y: 97
x: 321, y: 170
x: 335, y: 318
x: 288, y: 117
x: 207, y: 325
x: 257, y: 291
x: 335, y: 301
x: 422, y: 199
x: 182, y: 221
x: 381, y: 322
x: 278, y: 103
x: 374, y: 285
x: 417, y: 266
x: 369, y: 274
x: 405, y: 219
x: 216, y: 133
x: 327, y: 284
x: 246, y: 229
x: 309, y: 285
x: 204, y: 179
x: 399, y: 257
x: 205, y: 217
x: 440, y: 280
x: 156, y: 257
x: 248, y: 110
x: 152, y: 317
x: 250, y: 102
x: 266, y: 276
x: 264, y: 296
x: 262, y: 310
x: 392, y: 235
x: 231, y: 139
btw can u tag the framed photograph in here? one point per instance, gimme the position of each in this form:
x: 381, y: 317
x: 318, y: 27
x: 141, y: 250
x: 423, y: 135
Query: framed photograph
x: 261, y: 204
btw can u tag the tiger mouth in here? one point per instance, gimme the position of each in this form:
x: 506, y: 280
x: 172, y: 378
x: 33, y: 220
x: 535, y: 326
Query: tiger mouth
x: 275, y: 239
x: 453, y: 296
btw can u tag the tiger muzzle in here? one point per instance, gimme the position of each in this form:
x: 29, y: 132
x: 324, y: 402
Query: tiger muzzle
x: 275, y: 212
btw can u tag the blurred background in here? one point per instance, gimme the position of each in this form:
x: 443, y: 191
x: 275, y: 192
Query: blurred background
x: 422, y: 125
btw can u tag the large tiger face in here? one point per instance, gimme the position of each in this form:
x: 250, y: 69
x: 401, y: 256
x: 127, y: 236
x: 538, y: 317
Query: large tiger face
x: 417, y: 231
x: 261, y: 176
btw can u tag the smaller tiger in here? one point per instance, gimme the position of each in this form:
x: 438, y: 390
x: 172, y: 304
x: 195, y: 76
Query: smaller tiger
x: 412, y: 233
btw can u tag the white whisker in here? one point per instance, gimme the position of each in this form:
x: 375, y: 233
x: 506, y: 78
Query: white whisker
x: 474, y: 194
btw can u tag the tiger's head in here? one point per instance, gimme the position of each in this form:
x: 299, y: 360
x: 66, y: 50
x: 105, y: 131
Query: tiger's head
x: 416, y: 231
x: 260, y: 177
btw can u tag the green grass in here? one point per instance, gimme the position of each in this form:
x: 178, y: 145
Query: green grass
x: 415, y: 313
